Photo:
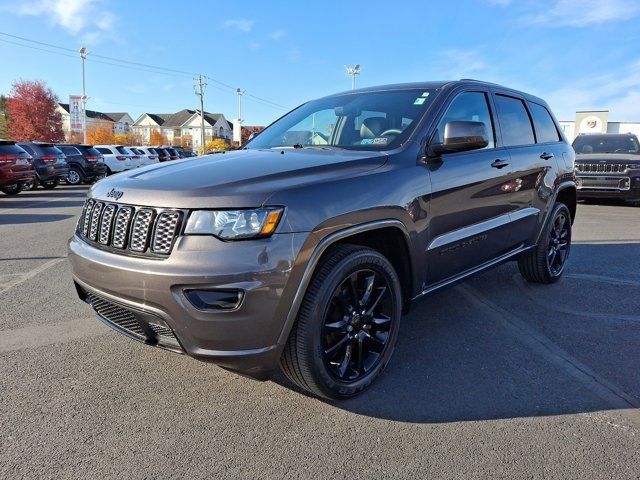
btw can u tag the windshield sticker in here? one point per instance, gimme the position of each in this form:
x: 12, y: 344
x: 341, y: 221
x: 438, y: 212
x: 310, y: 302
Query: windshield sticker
x: 419, y: 101
x: 425, y: 94
x: 374, y: 141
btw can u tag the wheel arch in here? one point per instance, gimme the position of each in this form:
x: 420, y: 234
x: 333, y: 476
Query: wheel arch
x: 569, y: 196
x: 368, y: 234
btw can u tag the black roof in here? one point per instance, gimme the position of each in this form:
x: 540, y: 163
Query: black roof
x: 436, y: 85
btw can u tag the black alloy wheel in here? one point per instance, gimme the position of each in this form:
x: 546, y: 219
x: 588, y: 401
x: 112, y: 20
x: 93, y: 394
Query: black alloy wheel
x: 559, y: 243
x: 546, y: 263
x: 347, y: 324
x: 356, y: 326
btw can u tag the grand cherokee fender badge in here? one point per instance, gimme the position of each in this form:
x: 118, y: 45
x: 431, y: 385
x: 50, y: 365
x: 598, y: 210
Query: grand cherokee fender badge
x: 115, y: 194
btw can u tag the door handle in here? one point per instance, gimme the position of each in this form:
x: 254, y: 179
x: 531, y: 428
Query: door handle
x: 499, y: 163
x: 546, y: 156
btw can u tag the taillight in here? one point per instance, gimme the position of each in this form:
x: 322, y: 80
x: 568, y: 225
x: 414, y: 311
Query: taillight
x: 153, y: 157
x: 8, y: 158
x: 121, y: 157
x: 92, y: 158
x: 135, y: 157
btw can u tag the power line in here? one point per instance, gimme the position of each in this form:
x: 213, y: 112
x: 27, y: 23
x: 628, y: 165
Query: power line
x: 134, y: 66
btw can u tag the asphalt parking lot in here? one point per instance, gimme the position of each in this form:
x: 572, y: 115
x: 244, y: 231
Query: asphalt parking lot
x: 493, y: 378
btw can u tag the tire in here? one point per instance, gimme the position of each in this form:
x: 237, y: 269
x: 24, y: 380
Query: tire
x: 14, y: 189
x: 547, y: 262
x: 50, y: 184
x: 75, y: 177
x: 328, y: 325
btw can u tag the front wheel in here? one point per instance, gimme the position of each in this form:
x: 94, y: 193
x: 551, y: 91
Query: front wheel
x: 546, y: 263
x: 347, y: 326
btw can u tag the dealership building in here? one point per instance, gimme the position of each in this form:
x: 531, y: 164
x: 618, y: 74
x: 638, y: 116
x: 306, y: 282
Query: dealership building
x: 596, y: 121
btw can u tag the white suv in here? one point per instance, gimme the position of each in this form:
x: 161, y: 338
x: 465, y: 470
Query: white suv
x: 117, y: 158
x: 148, y: 156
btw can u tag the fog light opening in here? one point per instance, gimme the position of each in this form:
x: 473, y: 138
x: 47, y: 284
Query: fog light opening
x: 214, y: 300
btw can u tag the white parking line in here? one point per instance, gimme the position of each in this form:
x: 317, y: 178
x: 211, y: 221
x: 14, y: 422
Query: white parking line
x: 32, y: 273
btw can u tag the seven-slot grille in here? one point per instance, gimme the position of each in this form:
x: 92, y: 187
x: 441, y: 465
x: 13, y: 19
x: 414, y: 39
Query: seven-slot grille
x: 125, y: 228
x: 603, y: 167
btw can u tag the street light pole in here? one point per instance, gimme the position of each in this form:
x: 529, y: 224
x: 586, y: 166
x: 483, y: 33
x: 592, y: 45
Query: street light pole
x: 352, y: 72
x: 240, y: 92
x: 83, y: 56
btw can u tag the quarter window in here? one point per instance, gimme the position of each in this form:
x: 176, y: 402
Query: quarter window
x: 515, y: 124
x: 469, y: 106
x: 546, y: 130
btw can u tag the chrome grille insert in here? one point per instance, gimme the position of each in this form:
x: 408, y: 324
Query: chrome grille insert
x: 140, y: 230
x: 165, y: 231
x: 121, y: 229
x: 86, y: 217
x: 127, y: 229
x: 95, y: 220
x: 106, y: 224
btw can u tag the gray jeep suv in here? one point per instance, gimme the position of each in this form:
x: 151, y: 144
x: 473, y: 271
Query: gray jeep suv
x: 303, y: 250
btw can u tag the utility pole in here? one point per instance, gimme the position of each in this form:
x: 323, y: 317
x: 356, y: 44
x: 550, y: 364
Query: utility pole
x: 83, y: 56
x: 352, y: 72
x: 199, y: 88
x: 240, y: 93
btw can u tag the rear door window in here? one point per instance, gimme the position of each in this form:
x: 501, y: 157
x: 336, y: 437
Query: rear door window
x: 29, y: 149
x: 468, y: 106
x: 546, y: 130
x: 515, y: 124
x: 70, y: 150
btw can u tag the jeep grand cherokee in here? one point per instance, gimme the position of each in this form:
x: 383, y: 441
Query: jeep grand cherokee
x: 303, y: 250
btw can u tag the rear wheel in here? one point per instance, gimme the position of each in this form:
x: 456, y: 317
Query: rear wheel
x: 75, y: 177
x: 14, y: 189
x: 546, y: 263
x: 347, y: 326
x: 30, y: 184
x: 50, y: 184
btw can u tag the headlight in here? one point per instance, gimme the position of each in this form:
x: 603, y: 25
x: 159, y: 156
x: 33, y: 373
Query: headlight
x: 234, y: 224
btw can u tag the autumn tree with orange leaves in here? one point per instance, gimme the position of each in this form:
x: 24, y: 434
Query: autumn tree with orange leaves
x: 32, y: 111
x: 157, y: 138
x: 101, y: 134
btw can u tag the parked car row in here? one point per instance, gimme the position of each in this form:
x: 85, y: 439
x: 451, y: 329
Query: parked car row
x: 25, y: 165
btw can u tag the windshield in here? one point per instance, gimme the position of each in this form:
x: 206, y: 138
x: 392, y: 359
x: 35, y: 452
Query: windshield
x: 356, y: 121
x: 606, y: 144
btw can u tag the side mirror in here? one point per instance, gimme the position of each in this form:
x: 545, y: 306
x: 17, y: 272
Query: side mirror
x: 461, y: 136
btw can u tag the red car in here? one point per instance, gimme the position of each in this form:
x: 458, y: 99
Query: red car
x: 16, y: 168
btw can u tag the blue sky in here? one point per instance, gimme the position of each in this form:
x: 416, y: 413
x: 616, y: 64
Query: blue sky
x: 577, y: 54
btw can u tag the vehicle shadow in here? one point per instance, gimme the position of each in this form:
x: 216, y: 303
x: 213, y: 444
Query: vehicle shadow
x: 19, y: 219
x: 458, y: 360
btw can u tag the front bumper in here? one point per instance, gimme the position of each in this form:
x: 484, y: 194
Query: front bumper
x: 625, y: 187
x: 153, y: 290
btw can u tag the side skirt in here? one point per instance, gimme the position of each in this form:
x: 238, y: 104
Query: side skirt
x: 481, y: 268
